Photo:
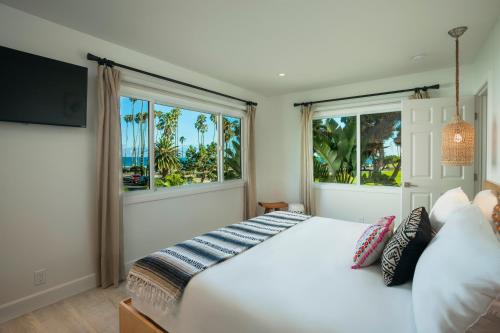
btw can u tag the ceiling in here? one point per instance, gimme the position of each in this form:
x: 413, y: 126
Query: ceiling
x: 316, y: 43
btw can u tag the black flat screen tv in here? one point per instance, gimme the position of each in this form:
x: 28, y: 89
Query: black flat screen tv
x: 40, y: 90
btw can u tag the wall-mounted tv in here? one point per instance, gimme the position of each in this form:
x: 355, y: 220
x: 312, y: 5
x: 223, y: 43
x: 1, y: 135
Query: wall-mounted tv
x: 40, y: 90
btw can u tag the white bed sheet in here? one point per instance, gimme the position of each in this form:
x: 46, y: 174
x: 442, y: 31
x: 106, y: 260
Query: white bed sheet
x: 298, y: 281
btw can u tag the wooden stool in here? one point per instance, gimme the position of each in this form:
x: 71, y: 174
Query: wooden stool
x: 272, y: 206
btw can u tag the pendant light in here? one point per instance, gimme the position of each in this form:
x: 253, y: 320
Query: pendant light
x: 457, y: 145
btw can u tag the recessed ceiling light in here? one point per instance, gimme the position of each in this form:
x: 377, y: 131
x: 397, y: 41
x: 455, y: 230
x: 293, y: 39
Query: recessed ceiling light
x: 281, y: 74
x: 418, y: 57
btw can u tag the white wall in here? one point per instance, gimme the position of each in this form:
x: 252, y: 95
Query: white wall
x: 47, y: 186
x: 279, y: 154
x: 487, y: 70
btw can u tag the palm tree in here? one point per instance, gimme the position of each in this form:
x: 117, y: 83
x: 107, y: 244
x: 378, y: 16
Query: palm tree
x: 134, y: 148
x: 159, y: 124
x: 229, y: 130
x: 166, y: 161
x: 140, y: 119
x: 201, y: 127
x: 213, y: 118
x: 182, y: 140
x: 175, y: 114
x: 128, y: 119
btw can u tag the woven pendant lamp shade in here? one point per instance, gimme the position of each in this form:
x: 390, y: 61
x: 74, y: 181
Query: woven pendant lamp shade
x: 457, y: 145
x: 457, y: 141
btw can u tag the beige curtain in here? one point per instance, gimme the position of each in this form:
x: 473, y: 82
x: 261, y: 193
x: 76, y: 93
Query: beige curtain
x: 109, y: 202
x: 250, y: 191
x: 306, y: 160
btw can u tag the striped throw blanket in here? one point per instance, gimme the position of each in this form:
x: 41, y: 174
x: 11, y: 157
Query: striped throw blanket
x: 161, y: 277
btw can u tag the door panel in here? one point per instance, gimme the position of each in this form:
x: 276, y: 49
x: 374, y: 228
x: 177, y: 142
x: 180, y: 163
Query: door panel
x: 424, y: 178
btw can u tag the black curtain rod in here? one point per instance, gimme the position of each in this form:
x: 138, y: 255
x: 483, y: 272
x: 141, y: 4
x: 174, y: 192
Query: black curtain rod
x: 104, y: 61
x: 424, y: 88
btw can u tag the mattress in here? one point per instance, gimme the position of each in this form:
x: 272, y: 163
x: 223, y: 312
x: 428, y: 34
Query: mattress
x: 298, y: 281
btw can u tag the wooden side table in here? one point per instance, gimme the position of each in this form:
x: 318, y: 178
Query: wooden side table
x: 272, y: 206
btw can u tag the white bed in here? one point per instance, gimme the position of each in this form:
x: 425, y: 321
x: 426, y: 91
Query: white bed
x: 297, y: 281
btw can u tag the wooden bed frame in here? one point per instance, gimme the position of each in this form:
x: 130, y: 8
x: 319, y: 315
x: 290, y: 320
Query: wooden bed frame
x: 132, y: 321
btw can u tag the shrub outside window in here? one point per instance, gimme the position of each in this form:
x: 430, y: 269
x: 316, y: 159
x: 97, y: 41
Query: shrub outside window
x: 334, y: 143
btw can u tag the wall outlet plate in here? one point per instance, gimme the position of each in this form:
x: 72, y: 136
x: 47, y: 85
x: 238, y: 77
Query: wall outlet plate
x: 40, y: 277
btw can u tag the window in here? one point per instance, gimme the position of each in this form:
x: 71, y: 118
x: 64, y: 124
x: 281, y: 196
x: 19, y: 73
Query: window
x: 334, y: 142
x: 134, y: 115
x: 232, y: 147
x: 186, y: 146
x: 381, y: 149
x: 377, y: 137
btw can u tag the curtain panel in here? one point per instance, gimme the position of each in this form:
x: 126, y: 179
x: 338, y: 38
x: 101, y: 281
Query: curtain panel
x: 306, y: 160
x: 109, y: 196
x: 250, y: 185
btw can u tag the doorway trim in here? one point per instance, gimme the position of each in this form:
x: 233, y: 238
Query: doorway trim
x: 480, y: 123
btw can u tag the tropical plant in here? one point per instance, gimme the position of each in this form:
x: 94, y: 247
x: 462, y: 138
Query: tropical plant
x: 128, y: 119
x: 134, y: 147
x: 201, y: 127
x: 213, y: 119
x: 174, y: 179
x: 232, y: 160
x: 377, y: 129
x: 166, y: 159
x: 141, y: 118
x: 334, y: 144
x: 182, y: 139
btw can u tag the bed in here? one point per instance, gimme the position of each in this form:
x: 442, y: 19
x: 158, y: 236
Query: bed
x: 301, y: 280
x: 298, y: 281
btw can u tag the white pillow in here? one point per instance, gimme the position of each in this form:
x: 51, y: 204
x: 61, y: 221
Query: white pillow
x: 445, y: 205
x: 486, y: 201
x: 457, y: 276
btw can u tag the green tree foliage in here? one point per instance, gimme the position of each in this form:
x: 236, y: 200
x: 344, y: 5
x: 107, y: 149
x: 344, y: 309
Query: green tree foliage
x: 334, y: 144
x: 166, y: 159
x: 232, y: 148
x: 175, y: 164
x: 377, y: 129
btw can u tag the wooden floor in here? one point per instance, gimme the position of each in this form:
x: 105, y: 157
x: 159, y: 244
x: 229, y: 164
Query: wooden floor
x: 93, y: 311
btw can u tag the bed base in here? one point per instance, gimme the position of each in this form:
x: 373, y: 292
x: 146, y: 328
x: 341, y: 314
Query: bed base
x: 132, y: 321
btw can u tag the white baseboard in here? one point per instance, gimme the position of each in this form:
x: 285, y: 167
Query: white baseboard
x: 46, y: 297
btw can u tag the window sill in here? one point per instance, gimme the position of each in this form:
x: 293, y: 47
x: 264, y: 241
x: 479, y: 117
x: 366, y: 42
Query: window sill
x: 358, y: 188
x: 176, y: 192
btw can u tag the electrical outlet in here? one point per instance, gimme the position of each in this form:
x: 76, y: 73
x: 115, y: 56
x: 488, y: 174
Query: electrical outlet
x: 40, y: 277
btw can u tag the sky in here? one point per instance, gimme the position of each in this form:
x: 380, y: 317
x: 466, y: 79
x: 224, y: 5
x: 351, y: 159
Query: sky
x: 187, y: 120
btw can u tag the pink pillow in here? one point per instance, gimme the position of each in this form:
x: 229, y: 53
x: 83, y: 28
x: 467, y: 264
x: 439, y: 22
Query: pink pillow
x: 371, y: 244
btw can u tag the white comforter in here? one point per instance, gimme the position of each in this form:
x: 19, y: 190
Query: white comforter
x: 298, y: 281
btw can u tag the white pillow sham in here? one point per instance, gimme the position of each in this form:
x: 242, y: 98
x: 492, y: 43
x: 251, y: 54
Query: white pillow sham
x: 486, y: 201
x: 457, y: 276
x: 446, y: 205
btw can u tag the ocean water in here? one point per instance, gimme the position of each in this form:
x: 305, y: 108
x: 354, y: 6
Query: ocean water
x: 128, y: 161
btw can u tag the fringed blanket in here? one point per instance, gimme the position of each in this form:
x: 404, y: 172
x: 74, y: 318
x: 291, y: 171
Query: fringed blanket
x: 161, y: 277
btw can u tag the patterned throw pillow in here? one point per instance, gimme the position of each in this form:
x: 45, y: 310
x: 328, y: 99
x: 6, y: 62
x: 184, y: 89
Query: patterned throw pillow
x: 401, y: 253
x: 371, y: 243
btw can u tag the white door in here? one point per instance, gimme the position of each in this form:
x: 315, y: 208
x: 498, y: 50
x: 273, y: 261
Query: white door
x: 424, y: 178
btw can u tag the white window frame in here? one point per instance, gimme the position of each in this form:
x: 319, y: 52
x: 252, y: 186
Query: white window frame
x: 192, y: 102
x: 357, y: 111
